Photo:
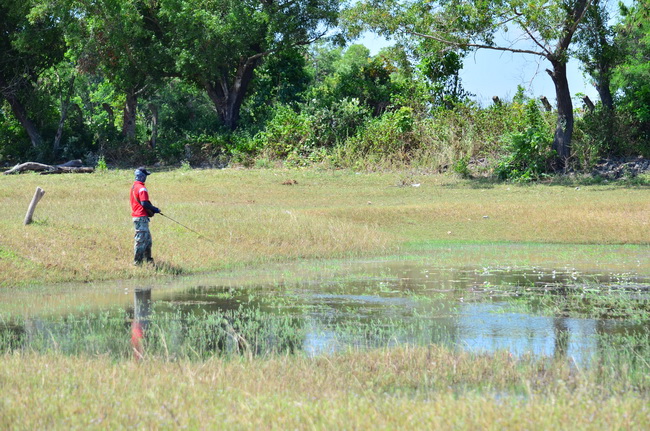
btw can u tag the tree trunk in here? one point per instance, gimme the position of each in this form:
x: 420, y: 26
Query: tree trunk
x: 20, y: 113
x: 605, y: 62
x: 227, y: 98
x: 65, y: 104
x: 605, y: 92
x: 564, y: 127
x: 111, y: 115
x: 130, y: 109
x: 154, y: 124
x: 607, y: 100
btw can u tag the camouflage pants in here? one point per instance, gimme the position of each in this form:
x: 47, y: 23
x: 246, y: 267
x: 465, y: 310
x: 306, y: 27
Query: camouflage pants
x: 142, y: 246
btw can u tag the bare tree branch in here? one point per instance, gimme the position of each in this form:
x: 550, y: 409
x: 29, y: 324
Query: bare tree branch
x: 270, y: 51
x: 530, y: 34
x: 477, y: 45
x: 568, y: 34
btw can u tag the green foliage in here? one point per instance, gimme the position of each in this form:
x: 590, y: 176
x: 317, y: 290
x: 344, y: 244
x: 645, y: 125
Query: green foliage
x: 543, y: 28
x: 184, y: 112
x: 14, y: 141
x: 219, y: 44
x: 607, y: 133
x: 286, y: 132
x: 355, y: 75
x: 441, y: 67
x: 78, y: 63
x: 185, y: 166
x: 333, y: 125
x: 213, y: 150
x: 30, y: 44
x: 101, y: 166
x: 281, y: 79
x: 461, y: 167
x: 387, y: 136
x: 528, y: 153
x: 617, y: 131
x: 632, y: 75
x: 598, y: 51
x: 304, y: 137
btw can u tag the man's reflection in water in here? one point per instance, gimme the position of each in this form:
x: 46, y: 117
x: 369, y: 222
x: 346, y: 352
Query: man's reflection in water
x: 141, y: 311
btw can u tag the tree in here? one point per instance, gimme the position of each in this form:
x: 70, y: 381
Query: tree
x: 547, y: 26
x: 353, y: 74
x: 632, y: 75
x: 441, y: 68
x: 29, y: 45
x: 121, y: 40
x: 280, y: 79
x: 370, y: 82
x: 597, y: 50
x: 218, y: 44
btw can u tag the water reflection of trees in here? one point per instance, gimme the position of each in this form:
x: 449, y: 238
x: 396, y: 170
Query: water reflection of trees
x: 561, y: 337
x: 365, y: 314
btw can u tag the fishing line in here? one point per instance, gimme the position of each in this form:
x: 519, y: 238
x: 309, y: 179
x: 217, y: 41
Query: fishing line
x: 186, y: 227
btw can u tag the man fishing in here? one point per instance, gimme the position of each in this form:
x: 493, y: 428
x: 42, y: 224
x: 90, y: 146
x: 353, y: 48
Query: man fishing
x: 141, y: 211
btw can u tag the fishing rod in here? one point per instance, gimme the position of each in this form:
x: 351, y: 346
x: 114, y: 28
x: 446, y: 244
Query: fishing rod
x: 186, y: 227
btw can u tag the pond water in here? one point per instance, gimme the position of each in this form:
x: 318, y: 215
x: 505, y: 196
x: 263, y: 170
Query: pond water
x: 379, y: 304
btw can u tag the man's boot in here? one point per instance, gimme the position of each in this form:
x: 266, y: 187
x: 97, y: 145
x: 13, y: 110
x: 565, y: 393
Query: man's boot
x: 147, y: 255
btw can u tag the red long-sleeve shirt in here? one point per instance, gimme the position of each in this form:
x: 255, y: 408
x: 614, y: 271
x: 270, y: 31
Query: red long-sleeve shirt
x: 139, y: 193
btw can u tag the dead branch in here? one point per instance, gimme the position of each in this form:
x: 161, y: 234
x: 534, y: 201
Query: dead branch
x: 73, y: 166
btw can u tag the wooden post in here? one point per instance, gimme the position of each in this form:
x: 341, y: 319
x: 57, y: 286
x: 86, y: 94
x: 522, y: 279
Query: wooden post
x: 32, y: 206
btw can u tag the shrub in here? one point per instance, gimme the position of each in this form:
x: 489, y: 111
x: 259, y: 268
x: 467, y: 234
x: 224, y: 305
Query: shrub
x: 386, y: 136
x: 605, y: 133
x: 528, y: 153
x: 101, y: 165
x: 335, y: 124
x: 211, y: 150
x: 285, y: 132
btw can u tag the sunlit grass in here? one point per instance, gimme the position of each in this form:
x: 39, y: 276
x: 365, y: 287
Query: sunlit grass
x: 83, y: 229
x: 412, y: 388
x: 255, y: 230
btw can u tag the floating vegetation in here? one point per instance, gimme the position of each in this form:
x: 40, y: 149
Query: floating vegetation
x: 624, y: 300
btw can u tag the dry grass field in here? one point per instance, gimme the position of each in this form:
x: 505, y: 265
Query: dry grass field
x: 409, y: 388
x: 249, y: 220
x: 83, y: 229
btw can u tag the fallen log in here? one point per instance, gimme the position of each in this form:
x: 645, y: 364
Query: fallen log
x: 29, y: 166
x: 73, y: 167
x: 71, y: 164
x: 70, y: 170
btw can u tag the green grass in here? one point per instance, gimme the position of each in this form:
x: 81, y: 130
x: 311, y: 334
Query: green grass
x: 83, y: 229
x: 406, y: 388
x: 261, y: 231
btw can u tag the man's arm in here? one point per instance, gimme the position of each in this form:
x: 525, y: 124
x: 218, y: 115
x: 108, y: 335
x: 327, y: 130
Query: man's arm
x: 147, y: 205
